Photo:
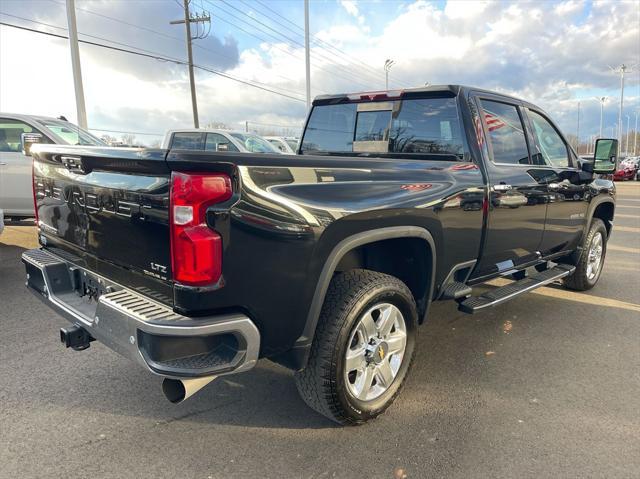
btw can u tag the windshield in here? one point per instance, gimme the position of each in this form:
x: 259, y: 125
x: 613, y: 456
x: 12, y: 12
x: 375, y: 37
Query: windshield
x: 425, y: 126
x: 72, y: 134
x: 255, y: 143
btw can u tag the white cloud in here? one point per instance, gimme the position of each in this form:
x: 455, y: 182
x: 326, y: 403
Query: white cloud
x: 351, y: 6
x: 539, y: 51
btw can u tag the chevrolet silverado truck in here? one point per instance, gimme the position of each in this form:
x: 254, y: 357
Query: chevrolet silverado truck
x: 196, y: 264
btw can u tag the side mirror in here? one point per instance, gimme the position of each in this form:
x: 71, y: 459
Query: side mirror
x: 605, y: 156
x: 223, y: 147
x: 28, y: 139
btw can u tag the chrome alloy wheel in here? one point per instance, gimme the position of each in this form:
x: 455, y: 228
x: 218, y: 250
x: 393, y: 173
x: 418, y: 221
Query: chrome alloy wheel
x: 594, y: 260
x: 375, y: 353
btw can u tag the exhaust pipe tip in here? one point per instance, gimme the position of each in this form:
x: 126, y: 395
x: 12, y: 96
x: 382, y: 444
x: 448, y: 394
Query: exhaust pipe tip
x: 177, y: 390
x: 173, y: 390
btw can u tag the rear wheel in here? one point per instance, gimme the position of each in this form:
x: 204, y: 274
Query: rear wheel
x: 591, y: 261
x: 362, y: 349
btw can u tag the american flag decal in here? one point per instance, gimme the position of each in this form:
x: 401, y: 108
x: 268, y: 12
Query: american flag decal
x: 493, y: 122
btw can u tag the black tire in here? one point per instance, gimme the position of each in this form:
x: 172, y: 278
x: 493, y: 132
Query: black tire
x: 580, y: 280
x: 322, y: 383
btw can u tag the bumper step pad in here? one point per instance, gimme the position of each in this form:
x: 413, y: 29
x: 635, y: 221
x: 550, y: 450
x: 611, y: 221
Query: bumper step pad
x: 505, y: 293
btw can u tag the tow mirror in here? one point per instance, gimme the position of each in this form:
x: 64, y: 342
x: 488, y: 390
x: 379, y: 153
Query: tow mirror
x: 605, y: 156
x: 28, y: 139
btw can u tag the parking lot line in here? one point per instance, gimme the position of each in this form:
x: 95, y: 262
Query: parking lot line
x: 624, y: 249
x: 627, y: 229
x: 627, y: 216
x: 575, y: 296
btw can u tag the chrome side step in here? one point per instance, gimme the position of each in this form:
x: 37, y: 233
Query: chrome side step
x: 497, y: 296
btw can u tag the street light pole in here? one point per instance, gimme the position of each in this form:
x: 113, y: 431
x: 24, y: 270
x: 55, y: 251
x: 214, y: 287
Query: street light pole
x: 307, y: 59
x: 602, y: 100
x: 387, y: 66
x: 635, y: 136
x: 622, y: 69
x: 75, y: 63
x: 578, y: 131
x: 626, y: 148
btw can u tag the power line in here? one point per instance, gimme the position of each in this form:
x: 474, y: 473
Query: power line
x: 172, y: 59
x: 158, y: 57
x: 349, y: 73
x: 132, y: 25
x: 288, y: 39
x: 140, y: 27
x: 315, y: 39
x: 132, y: 132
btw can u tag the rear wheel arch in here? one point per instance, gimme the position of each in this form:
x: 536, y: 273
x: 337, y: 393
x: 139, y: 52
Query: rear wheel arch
x: 341, y: 258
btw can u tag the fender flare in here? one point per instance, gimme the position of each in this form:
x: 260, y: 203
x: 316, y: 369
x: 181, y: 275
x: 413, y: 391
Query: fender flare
x: 592, y: 209
x: 337, y: 253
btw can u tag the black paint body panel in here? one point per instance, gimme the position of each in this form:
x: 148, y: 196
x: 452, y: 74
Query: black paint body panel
x: 289, y: 213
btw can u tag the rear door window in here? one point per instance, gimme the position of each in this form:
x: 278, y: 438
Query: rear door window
x: 506, y: 133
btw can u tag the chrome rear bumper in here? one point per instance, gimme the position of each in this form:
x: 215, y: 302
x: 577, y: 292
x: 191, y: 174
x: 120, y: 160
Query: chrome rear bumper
x: 140, y: 328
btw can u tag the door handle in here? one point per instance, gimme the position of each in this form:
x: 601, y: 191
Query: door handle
x: 502, y: 187
x: 2, y: 163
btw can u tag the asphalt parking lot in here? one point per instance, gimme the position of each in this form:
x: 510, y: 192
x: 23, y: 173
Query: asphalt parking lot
x: 547, y: 385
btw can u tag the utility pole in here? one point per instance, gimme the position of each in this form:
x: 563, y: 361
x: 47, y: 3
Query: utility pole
x: 188, y: 20
x: 75, y: 63
x: 307, y: 56
x: 578, y: 131
x: 602, y: 100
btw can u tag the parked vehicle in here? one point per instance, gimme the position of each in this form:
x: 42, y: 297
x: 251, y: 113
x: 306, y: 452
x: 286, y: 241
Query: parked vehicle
x: 195, y: 264
x: 1, y: 221
x: 628, y: 169
x: 216, y: 140
x: 16, y: 195
x: 288, y: 146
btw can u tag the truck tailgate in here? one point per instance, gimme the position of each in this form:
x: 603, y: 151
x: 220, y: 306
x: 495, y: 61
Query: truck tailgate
x: 107, y: 208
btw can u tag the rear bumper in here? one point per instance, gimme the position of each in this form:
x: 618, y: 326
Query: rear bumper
x: 141, y: 329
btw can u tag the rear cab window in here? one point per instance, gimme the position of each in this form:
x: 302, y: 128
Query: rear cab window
x: 404, y: 127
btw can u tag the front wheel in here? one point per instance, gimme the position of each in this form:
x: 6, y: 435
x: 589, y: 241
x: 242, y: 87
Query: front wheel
x: 362, y: 349
x: 591, y: 261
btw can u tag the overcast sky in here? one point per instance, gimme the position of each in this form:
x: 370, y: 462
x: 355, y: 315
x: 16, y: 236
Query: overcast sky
x: 550, y: 53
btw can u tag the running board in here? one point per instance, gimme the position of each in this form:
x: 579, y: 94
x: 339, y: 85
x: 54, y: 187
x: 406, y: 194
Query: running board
x: 496, y: 296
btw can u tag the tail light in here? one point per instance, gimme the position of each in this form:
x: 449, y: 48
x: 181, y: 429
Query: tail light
x: 196, y: 250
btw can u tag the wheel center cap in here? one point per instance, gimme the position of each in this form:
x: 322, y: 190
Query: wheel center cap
x: 379, y: 353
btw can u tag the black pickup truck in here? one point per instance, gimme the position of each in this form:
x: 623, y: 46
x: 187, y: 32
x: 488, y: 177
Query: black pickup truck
x: 196, y: 264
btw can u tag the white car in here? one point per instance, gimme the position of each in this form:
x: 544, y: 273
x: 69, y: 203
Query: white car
x: 286, y: 145
x: 1, y: 221
x: 216, y: 140
x: 16, y: 191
